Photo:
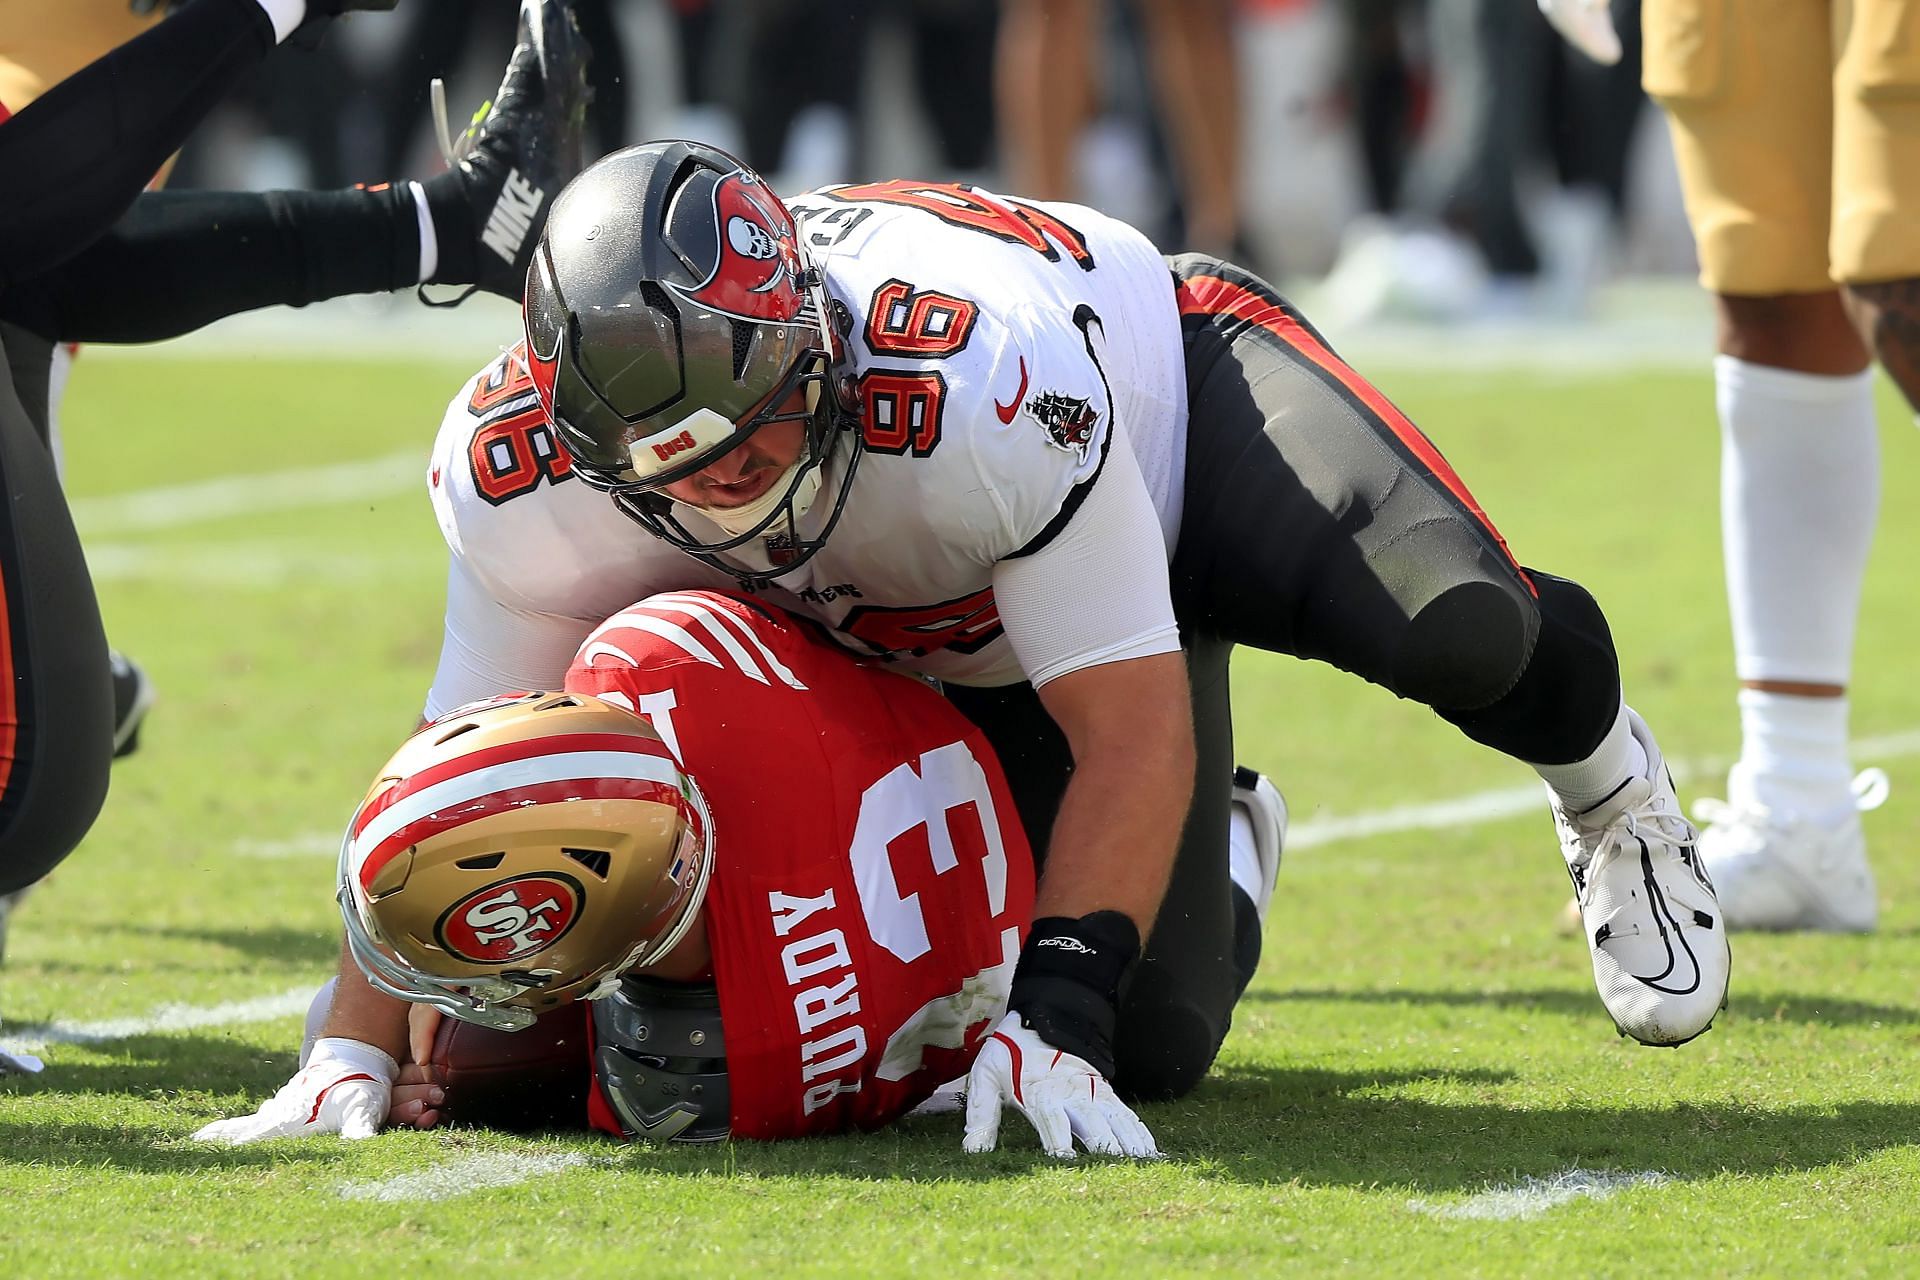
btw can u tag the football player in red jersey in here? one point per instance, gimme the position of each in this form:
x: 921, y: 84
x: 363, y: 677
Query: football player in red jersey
x: 826, y: 906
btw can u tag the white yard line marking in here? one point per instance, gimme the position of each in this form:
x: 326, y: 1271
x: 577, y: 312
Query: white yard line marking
x: 468, y: 1173
x: 1531, y: 1197
x: 1507, y: 802
x: 168, y: 1019
x: 267, y: 493
x: 242, y: 565
x: 1464, y: 811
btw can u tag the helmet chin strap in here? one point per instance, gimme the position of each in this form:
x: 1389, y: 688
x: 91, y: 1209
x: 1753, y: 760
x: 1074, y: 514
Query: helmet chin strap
x: 747, y: 517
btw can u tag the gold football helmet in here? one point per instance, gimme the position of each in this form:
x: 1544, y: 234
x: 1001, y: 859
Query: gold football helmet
x: 520, y: 852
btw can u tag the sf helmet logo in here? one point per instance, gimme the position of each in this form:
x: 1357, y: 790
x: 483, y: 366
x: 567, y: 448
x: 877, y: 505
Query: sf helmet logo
x: 510, y: 920
x: 756, y: 271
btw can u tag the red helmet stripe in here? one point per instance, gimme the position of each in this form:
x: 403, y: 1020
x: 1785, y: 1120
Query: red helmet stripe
x: 392, y: 844
x: 491, y: 757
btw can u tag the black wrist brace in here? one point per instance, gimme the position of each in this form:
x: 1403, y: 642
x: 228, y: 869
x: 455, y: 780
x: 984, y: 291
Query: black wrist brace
x: 1066, y: 987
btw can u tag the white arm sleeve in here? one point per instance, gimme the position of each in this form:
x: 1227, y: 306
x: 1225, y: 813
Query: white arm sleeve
x: 1098, y: 592
x: 492, y: 648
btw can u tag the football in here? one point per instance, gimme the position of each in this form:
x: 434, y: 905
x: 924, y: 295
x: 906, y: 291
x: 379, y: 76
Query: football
x: 524, y: 1081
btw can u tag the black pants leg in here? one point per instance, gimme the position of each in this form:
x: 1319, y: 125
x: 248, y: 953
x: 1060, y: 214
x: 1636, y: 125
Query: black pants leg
x: 56, y: 699
x: 183, y: 259
x: 1178, y: 1004
x: 1322, y: 523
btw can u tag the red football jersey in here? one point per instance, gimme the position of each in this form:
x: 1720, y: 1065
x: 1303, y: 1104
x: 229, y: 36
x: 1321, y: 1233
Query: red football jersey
x: 871, y: 884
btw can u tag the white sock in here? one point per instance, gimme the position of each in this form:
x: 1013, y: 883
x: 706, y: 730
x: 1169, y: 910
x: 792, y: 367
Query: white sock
x: 1799, y: 490
x: 429, y: 241
x: 1793, y: 752
x: 1243, y: 862
x: 286, y: 15
x: 317, y: 1017
x: 1585, y: 783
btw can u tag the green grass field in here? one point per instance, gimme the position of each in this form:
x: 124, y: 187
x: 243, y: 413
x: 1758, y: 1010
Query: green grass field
x: 1420, y: 1034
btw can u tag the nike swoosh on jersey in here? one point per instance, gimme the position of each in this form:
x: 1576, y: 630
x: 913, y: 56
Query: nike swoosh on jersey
x: 1011, y: 407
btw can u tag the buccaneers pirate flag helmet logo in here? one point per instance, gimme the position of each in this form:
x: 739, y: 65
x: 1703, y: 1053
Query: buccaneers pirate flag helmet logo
x: 756, y: 273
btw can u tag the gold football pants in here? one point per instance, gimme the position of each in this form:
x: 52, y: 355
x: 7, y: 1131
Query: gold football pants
x: 1796, y: 124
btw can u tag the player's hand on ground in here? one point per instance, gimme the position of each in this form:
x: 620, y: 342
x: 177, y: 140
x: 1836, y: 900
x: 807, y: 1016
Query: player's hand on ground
x: 1062, y: 1097
x: 1587, y: 25
x: 343, y: 1089
x: 418, y: 1098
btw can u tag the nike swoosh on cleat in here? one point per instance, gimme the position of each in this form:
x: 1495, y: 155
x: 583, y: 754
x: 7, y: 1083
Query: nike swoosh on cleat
x: 1669, y: 933
x: 1011, y: 407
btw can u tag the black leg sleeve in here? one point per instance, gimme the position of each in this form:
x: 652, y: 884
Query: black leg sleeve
x: 1178, y: 1003
x: 182, y: 259
x: 1569, y: 693
x: 56, y: 697
x: 73, y: 161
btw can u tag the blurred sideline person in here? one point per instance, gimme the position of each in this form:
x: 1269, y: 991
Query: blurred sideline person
x: 1047, y: 87
x: 1478, y: 237
x: 86, y: 255
x: 824, y: 909
x: 1008, y: 445
x: 1797, y: 131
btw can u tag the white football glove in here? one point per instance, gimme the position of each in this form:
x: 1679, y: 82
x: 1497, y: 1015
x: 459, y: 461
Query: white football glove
x: 1587, y: 26
x: 20, y: 1063
x: 1061, y: 1095
x: 344, y: 1088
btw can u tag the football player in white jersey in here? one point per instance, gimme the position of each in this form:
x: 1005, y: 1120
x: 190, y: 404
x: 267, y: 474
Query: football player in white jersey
x: 1009, y: 445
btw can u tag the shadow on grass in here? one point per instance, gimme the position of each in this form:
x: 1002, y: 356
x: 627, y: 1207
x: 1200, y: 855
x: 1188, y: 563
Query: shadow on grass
x: 146, y: 1150
x: 1831, y: 1011
x: 1336, y: 1128
x: 302, y: 949
x: 1271, y: 1126
x: 1253, y: 1125
x: 155, y: 1065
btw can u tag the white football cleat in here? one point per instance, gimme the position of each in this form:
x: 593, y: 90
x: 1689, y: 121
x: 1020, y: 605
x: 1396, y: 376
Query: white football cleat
x: 1778, y: 870
x: 1267, y: 809
x: 1647, y: 907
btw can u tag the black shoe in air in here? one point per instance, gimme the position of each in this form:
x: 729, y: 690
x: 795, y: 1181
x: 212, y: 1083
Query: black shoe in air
x: 521, y: 149
x: 133, y: 696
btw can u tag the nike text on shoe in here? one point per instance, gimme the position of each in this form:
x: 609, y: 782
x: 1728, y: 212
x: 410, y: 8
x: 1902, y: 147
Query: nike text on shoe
x: 522, y: 147
x: 1779, y: 870
x: 1268, y: 811
x: 133, y: 697
x: 1647, y: 907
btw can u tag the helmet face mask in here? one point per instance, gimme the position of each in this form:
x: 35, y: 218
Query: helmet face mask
x: 520, y: 853
x: 671, y: 315
x: 824, y: 438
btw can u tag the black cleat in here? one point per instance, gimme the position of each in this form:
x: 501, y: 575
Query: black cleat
x: 133, y: 696
x: 520, y: 150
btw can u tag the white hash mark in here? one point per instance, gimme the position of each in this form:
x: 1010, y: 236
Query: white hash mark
x: 458, y: 1177
x: 1531, y: 1197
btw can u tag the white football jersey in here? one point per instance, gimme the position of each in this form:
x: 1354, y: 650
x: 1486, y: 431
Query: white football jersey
x: 994, y: 344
